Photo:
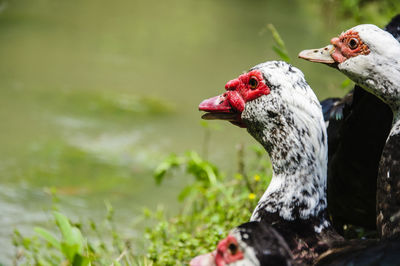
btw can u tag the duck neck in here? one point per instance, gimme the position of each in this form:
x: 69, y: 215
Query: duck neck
x: 295, y: 200
x: 382, y: 80
x: 297, y: 146
x: 388, y: 183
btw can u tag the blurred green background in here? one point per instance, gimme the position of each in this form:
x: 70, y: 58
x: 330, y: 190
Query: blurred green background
x: 94, y: 94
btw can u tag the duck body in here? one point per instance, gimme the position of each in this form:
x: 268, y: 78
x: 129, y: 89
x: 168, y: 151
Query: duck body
x: 363, y: 252
x: 356, y: 141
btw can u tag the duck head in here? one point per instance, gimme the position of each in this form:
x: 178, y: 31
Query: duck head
x: 366, y: 54
x: 250, y: 244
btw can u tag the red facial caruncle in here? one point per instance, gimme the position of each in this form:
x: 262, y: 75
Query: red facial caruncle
x: 245, y: 88
x: 230, y: 105
x: 348, y: 44
x: 228, y: 251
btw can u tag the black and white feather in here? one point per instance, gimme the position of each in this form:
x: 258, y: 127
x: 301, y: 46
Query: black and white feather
x: 288, y: 122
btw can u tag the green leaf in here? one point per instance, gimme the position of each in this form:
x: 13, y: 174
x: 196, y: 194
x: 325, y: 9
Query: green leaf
x: 72, y: 240
x: 116, y: 263
x: 80, y: 260
x: 64, y: 226
x: 281, y: 54
x: 276, y: 35
x: 346, y: 83
x: 46, y: 235
x: 172, y: 161
x: 185, y: 192
x: 281, y: 48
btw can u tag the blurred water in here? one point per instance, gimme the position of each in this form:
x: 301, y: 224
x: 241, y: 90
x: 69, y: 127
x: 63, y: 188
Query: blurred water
x: 93, y: 94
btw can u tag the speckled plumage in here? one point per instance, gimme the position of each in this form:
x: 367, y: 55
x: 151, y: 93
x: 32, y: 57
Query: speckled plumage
x: 388, y: 188
x: 379, y: 71
x: 261, y: 245
x: 289, y: 123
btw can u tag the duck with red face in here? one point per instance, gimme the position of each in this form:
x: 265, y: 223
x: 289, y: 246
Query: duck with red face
x: 371, y: 58
x: 358, y: 126
x: 252, y: 243
x: 278, y: 108
x: 230, y: 105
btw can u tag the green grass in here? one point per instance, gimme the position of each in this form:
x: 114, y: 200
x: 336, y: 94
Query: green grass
x: 213, y: 203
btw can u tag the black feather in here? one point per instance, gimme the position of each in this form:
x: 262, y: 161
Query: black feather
x: 394, y: 27
x: 364, y: 252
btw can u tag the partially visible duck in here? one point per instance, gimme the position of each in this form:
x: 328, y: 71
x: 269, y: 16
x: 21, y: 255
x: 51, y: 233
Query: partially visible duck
x: 359, y: 124
x: 252, y: 243
x: 278, y: 108
x: 257, y: 244
x: 371, y: 58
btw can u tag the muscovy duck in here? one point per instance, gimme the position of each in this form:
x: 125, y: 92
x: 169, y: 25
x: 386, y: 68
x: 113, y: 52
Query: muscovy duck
x: 278, y: 108
x: 257, y: 244
x: 252, y: 243
x: 371, y: 58
x: 359, y: 124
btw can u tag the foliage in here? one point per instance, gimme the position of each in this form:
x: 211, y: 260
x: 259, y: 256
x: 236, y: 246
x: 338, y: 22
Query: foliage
x: 213, y: 205
x: 70, y: 247
x: 377, y: 12
x: 280, y: 47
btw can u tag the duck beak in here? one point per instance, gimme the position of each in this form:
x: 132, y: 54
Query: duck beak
x: 219, y: 108
x: 321, y: 55
x: 218, y: 104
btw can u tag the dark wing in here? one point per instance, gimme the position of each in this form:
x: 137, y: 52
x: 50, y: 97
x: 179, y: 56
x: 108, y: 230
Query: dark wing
x: 329, y: 108
x: 334, y: 109
x: 394, y: 27
x: 354, y: 158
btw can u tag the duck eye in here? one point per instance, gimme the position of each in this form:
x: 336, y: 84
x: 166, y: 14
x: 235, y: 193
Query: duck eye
x: 253, y: 82
x: 353, y: 43
x: 233, y: 248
